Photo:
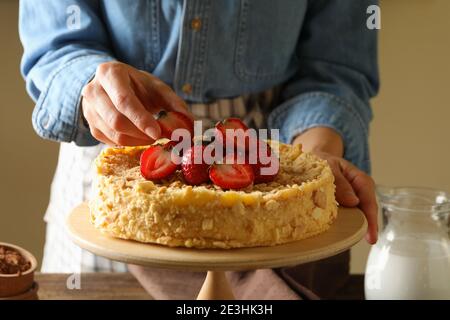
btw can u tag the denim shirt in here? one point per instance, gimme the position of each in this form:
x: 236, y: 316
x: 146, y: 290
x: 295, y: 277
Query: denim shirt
x: 320, y: 52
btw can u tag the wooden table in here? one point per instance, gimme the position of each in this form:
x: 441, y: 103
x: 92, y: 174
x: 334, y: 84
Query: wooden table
x: 111, y: 286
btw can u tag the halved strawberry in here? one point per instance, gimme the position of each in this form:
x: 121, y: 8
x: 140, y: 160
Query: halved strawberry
x: 171, y: 120
x: 264, y: 162
x: 231, y: 176
x: 193, y: 167
x: 237, y: 127
x: 157, y: 162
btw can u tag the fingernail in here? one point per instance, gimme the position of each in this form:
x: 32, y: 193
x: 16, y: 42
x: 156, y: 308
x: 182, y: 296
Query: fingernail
x: 370, y: 240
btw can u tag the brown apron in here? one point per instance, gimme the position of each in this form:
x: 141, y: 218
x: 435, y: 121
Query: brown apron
x: 309, y: 281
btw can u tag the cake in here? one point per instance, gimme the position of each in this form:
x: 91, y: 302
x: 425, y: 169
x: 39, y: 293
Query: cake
x: 299, y: 203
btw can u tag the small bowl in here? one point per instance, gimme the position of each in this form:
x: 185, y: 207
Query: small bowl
x: 12, y: 285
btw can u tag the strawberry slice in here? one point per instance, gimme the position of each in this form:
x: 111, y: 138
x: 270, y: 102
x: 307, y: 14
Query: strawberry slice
x: 193, y: 167
x: 157, y: 162
x: 265, y: 158
x: 231, y: 176
x: 231, y: 124
x: 169, y: 121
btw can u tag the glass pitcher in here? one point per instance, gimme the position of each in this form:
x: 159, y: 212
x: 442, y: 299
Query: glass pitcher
x: 411, y: 259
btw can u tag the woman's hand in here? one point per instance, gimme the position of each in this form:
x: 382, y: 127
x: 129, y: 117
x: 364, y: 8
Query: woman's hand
x: 119, y: 104
x: 353, y: 186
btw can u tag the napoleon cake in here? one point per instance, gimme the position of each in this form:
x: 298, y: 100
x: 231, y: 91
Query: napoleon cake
x: 185, y: 208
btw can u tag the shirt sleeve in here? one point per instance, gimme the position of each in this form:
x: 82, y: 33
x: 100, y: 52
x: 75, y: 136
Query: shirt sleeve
x: 64, y: 41
x: 338, y: 75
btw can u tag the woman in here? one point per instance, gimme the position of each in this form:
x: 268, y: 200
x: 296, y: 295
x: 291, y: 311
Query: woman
x: 98, y: 70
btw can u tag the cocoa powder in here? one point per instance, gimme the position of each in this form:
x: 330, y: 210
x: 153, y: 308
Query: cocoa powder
x: 12, y: 262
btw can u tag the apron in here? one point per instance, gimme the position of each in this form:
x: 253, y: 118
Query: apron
x: 72, y: 185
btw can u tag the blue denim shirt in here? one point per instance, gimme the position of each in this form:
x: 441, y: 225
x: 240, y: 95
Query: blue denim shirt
x: 320, y: 52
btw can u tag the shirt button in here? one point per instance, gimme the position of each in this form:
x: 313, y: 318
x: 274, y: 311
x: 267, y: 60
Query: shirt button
x: 196, y: 24
x: 187, y: 88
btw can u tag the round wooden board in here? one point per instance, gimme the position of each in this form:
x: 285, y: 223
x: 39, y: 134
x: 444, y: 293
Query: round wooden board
x: 347, y: 230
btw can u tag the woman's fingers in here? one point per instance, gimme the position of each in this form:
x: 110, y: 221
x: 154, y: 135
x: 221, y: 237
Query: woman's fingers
x: 106, y: 110
x: 344, y: 191
x: 115, y: 80
x: 122, y: 102
x: 101, y: 131
x: 145, y: 97
x: 159, y: 94
x: 92, y: 118
x: 364, y: 188
x: 351, y: 181
x: 118, y: 138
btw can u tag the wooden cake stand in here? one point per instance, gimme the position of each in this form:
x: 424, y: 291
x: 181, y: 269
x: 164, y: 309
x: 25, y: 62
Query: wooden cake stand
x: 349, y: 227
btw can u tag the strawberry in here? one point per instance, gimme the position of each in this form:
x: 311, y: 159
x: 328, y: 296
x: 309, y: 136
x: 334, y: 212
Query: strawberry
x: 265, y: 158
x: 157, y: 162
x: 171, y: 120
x: 231, y: 176
x: 193, y: 167
x: 231, y: 124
